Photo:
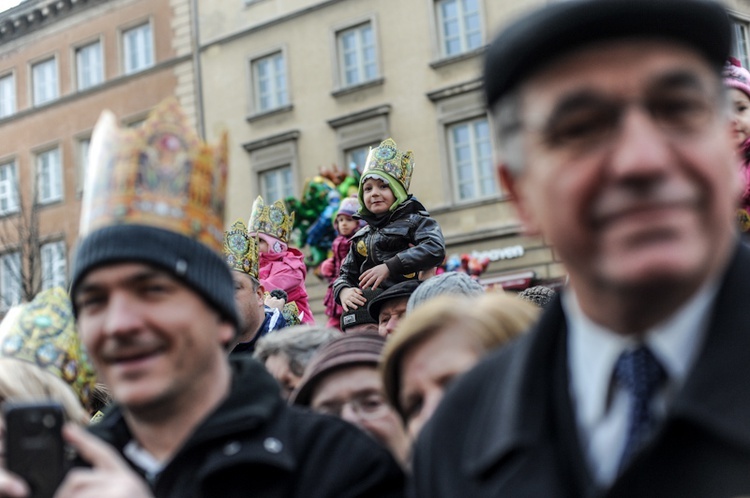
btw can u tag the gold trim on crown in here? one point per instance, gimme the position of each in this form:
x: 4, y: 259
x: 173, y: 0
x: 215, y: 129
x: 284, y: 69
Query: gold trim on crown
x: 160, y: 174
x: 386, y: 157
x: 43, y: 333
x: 241, y: 249
x: 271, y: 220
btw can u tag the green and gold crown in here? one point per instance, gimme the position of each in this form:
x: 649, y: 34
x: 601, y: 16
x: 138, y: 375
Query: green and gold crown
x: 160, y: 174
x: 271, y: 220
x: 43, y: 333
x: 241, y: 249
x: 388, y: 159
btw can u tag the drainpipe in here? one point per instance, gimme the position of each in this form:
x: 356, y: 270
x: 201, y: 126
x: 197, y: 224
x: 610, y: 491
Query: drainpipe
x: 197, y: 72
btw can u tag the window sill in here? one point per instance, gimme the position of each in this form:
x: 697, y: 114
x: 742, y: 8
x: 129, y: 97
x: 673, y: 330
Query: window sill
x: 470, y: 203
x: 355, y: 88
x: 445, y: 61
x: 50, y: 203
x: 271, y: 112
x: 8, y: 214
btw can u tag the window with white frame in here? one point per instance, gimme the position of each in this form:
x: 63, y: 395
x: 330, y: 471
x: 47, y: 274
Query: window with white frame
x: 358, y: 156
x: 7, y: 95
x: 358, y: 61
x: 89, y: 66
x: 471, y: 159
x: 54, y: 265
x: 138, y: 48
x: 459, y: 26
x: 8, y: 189
x: 740, y: 49
x: 49, y: 176
x: 269, y: 82
x: 10, y: 280
x: 276, y: 184
x: 44, y: 80
x: 84, y: 144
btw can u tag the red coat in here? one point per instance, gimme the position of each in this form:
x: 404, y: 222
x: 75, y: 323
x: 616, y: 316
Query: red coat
x: 330, y: 270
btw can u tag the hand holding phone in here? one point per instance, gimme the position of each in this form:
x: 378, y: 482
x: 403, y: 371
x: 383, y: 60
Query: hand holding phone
x: 34, y: 447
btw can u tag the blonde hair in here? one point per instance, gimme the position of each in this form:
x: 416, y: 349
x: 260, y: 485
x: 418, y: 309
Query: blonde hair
x: 24, y: 381
x: 493, y: 319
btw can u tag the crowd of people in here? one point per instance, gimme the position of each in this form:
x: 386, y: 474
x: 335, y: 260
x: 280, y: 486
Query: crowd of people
x: 186, y: 359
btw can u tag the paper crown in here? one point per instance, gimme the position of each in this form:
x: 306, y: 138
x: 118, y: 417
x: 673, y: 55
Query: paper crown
x: 271, y: 220
x: 241, y: 249
x: 387, y: 158
x: 160, y: 174
x: 43, y: 333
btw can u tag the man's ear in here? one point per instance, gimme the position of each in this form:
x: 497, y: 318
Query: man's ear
x: 261, y: 293
x: 513, y: 183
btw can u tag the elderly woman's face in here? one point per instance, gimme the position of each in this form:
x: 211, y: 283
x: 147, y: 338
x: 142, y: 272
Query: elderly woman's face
x: 426, y: 369
x: 356, y: 395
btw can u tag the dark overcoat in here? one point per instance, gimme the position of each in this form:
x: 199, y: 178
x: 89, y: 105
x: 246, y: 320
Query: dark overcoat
x: 256, y: 445
x: 507, y: 427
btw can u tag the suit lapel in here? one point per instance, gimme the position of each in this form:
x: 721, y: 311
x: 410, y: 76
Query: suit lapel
x: 522, y: 424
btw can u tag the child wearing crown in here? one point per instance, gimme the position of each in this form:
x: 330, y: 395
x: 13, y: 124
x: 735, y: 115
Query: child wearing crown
x: 400, y: 239
x: 345, y: 226
x: 280, y: 266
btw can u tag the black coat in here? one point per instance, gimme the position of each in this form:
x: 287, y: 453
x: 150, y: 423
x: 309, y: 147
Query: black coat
x: 407, y: 240
x: 256, y: 445
x: 507, y: 427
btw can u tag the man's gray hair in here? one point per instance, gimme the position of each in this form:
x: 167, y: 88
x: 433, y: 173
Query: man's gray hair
x: 506, y: 114
x: 297, y: 343
x: 451, y: 283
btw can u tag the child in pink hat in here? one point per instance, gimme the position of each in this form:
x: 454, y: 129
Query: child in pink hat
x: 737, y: 81
x: 346, y: 226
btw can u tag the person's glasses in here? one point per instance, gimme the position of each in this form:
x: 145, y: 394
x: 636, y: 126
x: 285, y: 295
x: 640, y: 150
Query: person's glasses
x: 586, y: 121
x: 366, y: 406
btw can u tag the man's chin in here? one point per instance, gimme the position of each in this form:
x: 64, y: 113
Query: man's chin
x: 653, y: 269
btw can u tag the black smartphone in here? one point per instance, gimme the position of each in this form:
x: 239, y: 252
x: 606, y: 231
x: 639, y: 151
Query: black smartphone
x: 34, y: 447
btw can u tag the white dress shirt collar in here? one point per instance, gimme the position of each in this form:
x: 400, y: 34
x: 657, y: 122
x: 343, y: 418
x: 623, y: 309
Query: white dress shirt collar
x: 593, y: 351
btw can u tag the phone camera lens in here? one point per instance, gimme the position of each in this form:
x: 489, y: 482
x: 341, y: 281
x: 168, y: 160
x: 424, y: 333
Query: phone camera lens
x: 48, y: 421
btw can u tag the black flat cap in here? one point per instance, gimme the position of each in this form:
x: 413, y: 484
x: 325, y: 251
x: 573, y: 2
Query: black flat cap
x: 401, y: 289
x: 537, y: 39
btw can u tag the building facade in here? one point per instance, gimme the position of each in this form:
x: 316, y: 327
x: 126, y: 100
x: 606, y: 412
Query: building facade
x: 61, y: 63
x: 301, y: 84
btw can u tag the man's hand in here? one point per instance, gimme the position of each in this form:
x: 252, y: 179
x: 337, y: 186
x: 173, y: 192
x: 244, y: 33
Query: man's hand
x: 274, y: 302
x: 109, y: 476
x: 351, y: 298
x: 12, y: 486
x: 374, y: 276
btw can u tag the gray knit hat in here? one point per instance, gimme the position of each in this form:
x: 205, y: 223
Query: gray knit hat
x: 539, y: 295
x: 451, y: 282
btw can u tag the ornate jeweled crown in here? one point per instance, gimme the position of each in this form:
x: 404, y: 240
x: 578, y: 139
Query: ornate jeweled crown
x: 241, y: 249
x: 43, y: 333
x: 160, y: 174
x: 272, y: 220
x: 387, y: 158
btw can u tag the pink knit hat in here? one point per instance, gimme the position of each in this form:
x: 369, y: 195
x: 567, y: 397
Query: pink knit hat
x: 736, y: 76
x: 349, y: 206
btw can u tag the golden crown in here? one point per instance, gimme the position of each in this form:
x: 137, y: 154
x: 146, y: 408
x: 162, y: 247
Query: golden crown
x: 272, y: 220
x: 387, y: 158
x: 241, y: 249
x: 160, y: 174
x: 43, y: 333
